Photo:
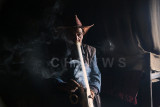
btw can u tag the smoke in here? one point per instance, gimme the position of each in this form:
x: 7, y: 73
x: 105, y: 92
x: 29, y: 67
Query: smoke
x: 29, y: 45
x: 2, y: 103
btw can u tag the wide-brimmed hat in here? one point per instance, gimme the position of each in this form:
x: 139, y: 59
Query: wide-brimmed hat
x: 78, y: 25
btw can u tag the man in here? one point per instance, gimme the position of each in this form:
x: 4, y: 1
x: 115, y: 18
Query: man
x: 72, y: 78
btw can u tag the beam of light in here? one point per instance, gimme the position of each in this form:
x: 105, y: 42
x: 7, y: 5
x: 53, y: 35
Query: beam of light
x: 155, y: 23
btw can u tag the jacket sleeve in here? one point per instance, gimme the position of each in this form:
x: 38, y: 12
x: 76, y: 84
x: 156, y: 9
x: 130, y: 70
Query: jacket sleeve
x: 95, y: 76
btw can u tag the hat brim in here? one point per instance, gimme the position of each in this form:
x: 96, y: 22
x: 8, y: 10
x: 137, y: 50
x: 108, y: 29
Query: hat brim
x: 85, y: 28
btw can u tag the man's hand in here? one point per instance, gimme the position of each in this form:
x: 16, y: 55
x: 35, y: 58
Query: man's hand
x: 70, y: 86
x: 92, y: 94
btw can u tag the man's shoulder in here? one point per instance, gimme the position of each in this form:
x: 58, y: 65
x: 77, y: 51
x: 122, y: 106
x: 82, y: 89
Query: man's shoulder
x: 89, y: 48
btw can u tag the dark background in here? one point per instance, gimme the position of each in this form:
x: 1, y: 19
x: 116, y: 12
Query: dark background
x: 27, y: 26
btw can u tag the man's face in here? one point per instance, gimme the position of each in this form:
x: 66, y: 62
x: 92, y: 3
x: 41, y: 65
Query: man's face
x: 79, y: 35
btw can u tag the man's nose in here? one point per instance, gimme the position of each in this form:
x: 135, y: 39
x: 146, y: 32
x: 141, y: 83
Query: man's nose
x: 78, y: 38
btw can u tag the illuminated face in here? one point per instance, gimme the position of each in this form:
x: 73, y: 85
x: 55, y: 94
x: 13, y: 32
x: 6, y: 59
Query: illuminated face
x: 79, y: 35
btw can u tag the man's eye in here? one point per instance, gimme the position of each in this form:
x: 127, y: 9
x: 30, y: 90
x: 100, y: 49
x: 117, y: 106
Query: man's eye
x: 79, y: 33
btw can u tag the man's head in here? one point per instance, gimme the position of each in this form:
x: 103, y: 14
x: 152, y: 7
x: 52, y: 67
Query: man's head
x: 79, y: 34
x: 74, y: 33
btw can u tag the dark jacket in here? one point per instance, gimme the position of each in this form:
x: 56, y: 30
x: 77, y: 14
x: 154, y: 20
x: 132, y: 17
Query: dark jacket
x: 74, y: 71
x: 93, y: 73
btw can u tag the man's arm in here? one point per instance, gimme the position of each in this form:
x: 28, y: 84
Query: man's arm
x: 95, y: 76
